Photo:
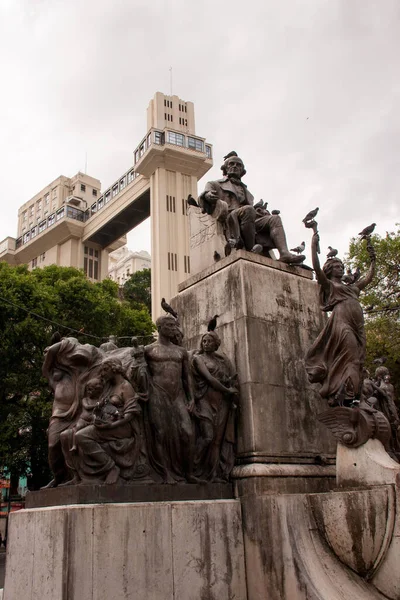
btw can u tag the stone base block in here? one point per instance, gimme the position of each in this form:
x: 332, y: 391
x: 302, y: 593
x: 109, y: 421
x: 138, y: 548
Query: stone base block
x: 135, y: 492
x: 146, y: 551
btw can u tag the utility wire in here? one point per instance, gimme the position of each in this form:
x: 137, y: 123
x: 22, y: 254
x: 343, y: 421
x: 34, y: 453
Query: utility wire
x: 60, y: 326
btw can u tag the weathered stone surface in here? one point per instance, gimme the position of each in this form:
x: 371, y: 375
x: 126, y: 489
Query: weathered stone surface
x: 135, y: 492
x: 208, y: 547
x: 157, y: 551
x: 289, y: 558
x: 369, y: 464
x: 259, y: 479
x: 358, y: 525
x: 268, y: 316
x: 206, y: 237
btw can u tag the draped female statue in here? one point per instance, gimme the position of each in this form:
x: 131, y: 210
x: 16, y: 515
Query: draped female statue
x: 336, y: 358
x: 215, y: 391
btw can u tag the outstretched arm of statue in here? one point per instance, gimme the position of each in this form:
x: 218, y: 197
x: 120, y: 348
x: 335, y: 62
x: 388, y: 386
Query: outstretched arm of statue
x: 208, y: 199
x: 368, y: 277
x: 321, y: 277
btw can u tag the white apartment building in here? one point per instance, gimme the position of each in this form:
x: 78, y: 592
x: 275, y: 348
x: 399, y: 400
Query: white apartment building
x: 123, y: 263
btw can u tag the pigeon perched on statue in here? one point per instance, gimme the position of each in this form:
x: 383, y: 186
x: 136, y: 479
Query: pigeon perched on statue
x: 212, y: 323
x: 260, y: 204
x: 168, y: 309
x: 217, y: 256
x: 299, y: 249
x: 233, y: 153
x: 332, y: 252
x: 276, y: 212
x: 311, y: 215
x: 191, y: 201
x: 367, y: 231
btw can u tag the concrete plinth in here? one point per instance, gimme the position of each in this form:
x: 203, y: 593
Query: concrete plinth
x: 269, y: 316
x: 146, y: 551
x: 134, y: 492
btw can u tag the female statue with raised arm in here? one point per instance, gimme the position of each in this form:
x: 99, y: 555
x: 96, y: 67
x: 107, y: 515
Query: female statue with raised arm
x: 336, y: 358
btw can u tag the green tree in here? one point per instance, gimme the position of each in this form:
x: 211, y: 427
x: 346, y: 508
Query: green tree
x: 381, y: 301
x: 33, y: 305
x: 137, y: 290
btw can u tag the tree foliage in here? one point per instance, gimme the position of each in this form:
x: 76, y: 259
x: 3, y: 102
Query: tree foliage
x: 33, y: 305
x: 381, y: 301
x: 137, y: 290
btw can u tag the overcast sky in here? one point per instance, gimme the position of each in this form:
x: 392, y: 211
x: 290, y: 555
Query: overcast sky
x: 306, y: 91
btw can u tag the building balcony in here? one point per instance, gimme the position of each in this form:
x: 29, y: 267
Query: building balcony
x: 66, y: 222
x: 175, y: 151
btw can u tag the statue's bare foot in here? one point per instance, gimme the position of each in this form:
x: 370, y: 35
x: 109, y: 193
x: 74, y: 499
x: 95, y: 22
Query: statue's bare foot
x: 257, y: 249
x: 113, y: 476
x: 52, y: 484
x: 291, y: 259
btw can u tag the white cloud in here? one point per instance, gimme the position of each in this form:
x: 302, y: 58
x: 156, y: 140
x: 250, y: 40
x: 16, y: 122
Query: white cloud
x: 306, y: 92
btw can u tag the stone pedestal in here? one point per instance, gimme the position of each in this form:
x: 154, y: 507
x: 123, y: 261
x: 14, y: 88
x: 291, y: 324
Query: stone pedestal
x: 147, y: 551
x: 269, y: 316
x: 206, y: 238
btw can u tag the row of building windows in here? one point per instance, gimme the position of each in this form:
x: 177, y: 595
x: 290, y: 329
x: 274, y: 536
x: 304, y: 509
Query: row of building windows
x: 171, y: 207
x: 168, y: 117
x: 68, y: 211
x: 173, y: 262
x: 177, y: 139
x: 171, y: 204
x: 182, y: 121
x: 115, y: 189
x: 168, y: 104
x: 38, y: 205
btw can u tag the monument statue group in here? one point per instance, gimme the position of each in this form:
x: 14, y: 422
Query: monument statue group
x: 162, y: 413
x: 152, y: 413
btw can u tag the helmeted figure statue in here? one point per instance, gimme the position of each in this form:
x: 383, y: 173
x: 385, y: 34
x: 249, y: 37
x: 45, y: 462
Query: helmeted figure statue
x: 229, y: 201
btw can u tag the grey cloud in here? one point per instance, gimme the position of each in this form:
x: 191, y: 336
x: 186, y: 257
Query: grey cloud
x: 307, y: 92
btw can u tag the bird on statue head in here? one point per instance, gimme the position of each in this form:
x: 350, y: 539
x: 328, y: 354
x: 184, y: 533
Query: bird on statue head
x: 332, y: 252
x: 212, y: 323
x: 168, y: 309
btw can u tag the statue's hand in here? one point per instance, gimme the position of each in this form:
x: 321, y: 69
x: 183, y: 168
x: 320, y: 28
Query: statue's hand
x: 191, y: 407
x: 211, y: 196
